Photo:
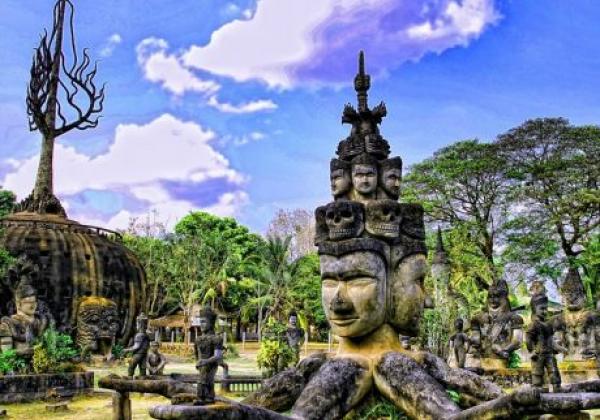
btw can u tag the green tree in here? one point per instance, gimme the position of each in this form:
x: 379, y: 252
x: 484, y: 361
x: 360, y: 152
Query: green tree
x: 556, y: 168
x: 463, y: 186
x: 7, y: 201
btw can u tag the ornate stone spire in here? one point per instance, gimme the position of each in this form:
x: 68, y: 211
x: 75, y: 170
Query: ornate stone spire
x: 364, y: 136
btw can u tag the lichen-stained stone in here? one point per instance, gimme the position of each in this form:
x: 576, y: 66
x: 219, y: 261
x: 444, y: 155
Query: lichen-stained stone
x: 75, y: 261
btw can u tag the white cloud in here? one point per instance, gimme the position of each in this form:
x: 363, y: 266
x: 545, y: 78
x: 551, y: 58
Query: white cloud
x: 286, y: 42
x: 139, y: 160
x: 110, y: 45
x: 167, y: 69
x: 244, y: 108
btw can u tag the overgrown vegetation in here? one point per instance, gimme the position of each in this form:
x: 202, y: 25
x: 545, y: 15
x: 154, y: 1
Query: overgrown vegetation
x: 274, y: 355
x: 54, y: 352
x: 10, y: 362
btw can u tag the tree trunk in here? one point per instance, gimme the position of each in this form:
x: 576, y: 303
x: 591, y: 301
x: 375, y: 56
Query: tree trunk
x: 44, y: 180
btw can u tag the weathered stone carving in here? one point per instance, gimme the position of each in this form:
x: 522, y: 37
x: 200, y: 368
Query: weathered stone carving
x: 570, y: 324
x: 383, y: 218
x: 321, y: 228
x: 390, y: 177
x: 341, y: 179
x: 141, y: 344
x: 498, y: 331
x: 209, y: 353
x: 97, y: 325
x: 459, y: 342
x: 540, y: 341
x: 364, y: 178
x: 344, y: 219
x: 20, y: 330
x: 156, y: 360
x: 294, y: 336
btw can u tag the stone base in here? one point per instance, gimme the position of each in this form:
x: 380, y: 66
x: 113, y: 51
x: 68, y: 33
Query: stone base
x: 218, y: 411
x: 23, y: 388
x: 57, y: 407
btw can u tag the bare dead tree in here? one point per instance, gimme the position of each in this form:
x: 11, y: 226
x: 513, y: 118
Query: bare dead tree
x: 60, y: 98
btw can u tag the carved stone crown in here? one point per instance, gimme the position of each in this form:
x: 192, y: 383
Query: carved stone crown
x: 500, y: 287
x: 572, y: 283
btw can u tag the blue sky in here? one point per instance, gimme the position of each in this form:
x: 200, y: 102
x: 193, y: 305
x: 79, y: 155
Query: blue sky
x: 234, y: 107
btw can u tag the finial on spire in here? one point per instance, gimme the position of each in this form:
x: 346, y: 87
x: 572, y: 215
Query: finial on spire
x: 362, y: 83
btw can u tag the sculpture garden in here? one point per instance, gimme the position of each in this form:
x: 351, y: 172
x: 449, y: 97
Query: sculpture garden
x: 403, y: 303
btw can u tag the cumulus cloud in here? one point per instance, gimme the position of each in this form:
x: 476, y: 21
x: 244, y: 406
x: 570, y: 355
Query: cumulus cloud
x: 139, y: 161
x: 244, y: 108
x: 286, y: 42
x: 111, y: 43
x: 167, y: 69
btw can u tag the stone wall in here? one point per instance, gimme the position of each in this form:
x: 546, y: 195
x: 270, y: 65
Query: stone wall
x: 22, y: 388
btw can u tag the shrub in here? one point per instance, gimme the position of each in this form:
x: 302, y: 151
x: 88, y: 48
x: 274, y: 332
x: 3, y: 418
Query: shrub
x: 53, y: 352
x: 11, y: 363
x: 274, y: 354
x: 231, y: 351
x: 117, y: 351
x: 514, y: 360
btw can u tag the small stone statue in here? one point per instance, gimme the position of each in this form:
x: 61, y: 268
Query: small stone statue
x: 208, y: 350
x: 459, y: 342
x: 141, y: 344
x: 19, y: 331
x: 390, y: 177
x: 571, y: 323
x: 294, y: 336
x: 156, y: 360
x: 498, y: 331
x: 540, y: 342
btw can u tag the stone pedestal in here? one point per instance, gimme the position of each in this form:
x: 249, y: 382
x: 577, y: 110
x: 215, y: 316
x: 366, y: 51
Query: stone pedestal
x: 121, y: 406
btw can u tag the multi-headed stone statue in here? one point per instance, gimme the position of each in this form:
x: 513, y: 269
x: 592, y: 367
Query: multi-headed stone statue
x: 459, y: 343
x: 294, y: 336
x: 540, y: 342
x: 141, y: 344
x: 373, y: 262
x: 498, y: 331
x: 209, y: 353
x: 156, y: 360
x: 571, y: 323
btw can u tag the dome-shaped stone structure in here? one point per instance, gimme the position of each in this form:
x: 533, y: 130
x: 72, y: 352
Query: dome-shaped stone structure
x: 74, y: 261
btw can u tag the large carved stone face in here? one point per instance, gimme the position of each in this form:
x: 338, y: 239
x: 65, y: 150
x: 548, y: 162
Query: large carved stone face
x: 407, y: 294
x: 27, y: 306
x: 383, y: 218
x: 353, y: 292
x: 341, y: 181
x: 344, y: 220
x: 364, y: 178
x: 97, y: 324
x: 391, y: 179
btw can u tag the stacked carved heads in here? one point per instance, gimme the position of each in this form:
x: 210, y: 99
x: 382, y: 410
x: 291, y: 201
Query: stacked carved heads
x: 371, y: 246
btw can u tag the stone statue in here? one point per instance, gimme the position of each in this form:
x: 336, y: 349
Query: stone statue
x: 364, y: 177
x: 390, y: 177
x: 19, y: 331
x: 571, y: 331
x: 97, y: 325
x: 340, y: 177
x: 141, y: 344
x: 156, y: 360
x: 294, y: 336
x: 208, y: 350
x: 459, y: 343
x: 541, y: 343
x: 498, y: 331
